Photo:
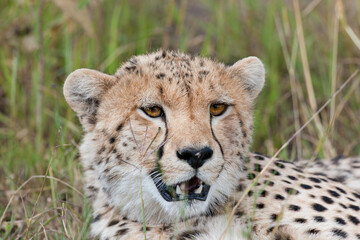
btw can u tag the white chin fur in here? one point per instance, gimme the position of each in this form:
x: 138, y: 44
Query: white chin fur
x: 126, y: 195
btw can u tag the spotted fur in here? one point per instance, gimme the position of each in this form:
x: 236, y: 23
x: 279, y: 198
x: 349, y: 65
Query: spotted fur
x: 124, y: 150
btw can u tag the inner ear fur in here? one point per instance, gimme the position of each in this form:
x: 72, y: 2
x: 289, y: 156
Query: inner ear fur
x: 83, y: 90
x: 250, y: 72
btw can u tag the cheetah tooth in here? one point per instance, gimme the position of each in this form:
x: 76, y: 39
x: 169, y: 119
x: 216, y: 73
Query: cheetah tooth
x: 183, y: 187
x: 199, y: 189
x: 178, y: 190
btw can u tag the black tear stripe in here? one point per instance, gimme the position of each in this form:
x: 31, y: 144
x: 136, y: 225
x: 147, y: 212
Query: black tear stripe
x: 161, y: 149
x: 218, y: 142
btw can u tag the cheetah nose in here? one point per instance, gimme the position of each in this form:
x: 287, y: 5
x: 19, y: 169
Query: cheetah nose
x: 195, y: 157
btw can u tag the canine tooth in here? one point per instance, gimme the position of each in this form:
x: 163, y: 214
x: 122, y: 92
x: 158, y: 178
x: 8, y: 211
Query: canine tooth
x: 199, y: 189
x: 183, y: 187
x: 178, y: 190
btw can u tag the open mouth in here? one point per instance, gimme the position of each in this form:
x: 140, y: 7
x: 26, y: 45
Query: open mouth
x: 192, y: 189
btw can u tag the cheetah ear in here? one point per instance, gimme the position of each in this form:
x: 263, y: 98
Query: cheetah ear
x: 83, y: 90
x: 250, y: 72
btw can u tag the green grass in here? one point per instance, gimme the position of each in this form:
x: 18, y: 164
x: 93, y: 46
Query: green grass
x: 36, y: 124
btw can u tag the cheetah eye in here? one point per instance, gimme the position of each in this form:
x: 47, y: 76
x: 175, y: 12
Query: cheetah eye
x: 153, y: 111
x: 216, y: 109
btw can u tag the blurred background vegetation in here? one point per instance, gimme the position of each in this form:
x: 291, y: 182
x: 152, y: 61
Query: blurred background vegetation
x: 309, y: 49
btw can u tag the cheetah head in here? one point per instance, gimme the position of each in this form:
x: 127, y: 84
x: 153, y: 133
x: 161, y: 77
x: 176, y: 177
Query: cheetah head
x: 167, y: 128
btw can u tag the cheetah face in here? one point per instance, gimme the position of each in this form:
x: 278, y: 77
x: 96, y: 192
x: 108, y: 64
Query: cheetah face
x: 167, y: 129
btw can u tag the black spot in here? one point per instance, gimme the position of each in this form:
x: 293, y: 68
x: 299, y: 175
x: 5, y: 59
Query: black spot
x: 244, y: 134
x: 286, y: 181
x: 356, y: 195
x: 300, y: 220
x: 292, y: 177
x: 163, y: 54
x: 93, y: 102
x: 298, y: 170
x: 319, y: 219
x: 339, y: 233
x: 263, y: 193
x: 327, y: 199
x: 160, y: 76
x: 119, y: 127
x: 113, y: 222
x: 273, y: 217
x: 336, y: 159
x: 340, y: 221
x: 130, y: 68
x: 203, y: 73
x: 333, y: 193
x: 112, y: 140
x: 97, y: 218
x: 294, y: 207
x: 269, y: 183
x: 312, y: 231
x: 270, y: 229
x: 343, y: 206
x: 358, y: 236
x: 239, y: 213
x: 305, y: 186
x: 341, y: 190
x: 260, y: 205
x: 356, y: 208
x: 160, y: 152
x: 273, y: 171
x: 251, y: 176
x: 317, y: 186
x: 291, y: 191
x: 121, y: 232
x: 146, y: 229
x: 315, y: 180
x: 240, y: 188
x: 319, y: 207
x: 250, y: 193
x: 188, y: 235
x: 258, y: 157
x: 353, y: 200
x: 353, y: 219
x: 279, y: 197
x: 279, y: 165
x: 257, y: 167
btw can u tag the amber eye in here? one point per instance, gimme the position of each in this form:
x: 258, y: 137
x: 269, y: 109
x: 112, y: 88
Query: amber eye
x: 217, y: 109
x: 153, y: 111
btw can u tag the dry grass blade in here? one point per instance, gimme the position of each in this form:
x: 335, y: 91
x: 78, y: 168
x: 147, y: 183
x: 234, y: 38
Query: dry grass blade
x: 347, y: 27
x: 329, y: 150
x: 81, y: 16
x: 282, y: 148
x: 334, y: 60
x: 29, y: 180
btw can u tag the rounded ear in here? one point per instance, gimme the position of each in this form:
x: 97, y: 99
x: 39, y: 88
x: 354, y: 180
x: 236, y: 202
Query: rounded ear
x: 83, y: 90
x: 250, y: 72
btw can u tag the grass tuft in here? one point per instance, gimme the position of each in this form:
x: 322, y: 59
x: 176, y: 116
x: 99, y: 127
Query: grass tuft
x: 309, y: 49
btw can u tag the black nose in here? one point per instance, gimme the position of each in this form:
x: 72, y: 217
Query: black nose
x: 195, y: 157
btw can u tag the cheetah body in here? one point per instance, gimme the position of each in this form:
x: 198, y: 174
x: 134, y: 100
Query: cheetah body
x: 133, y: 162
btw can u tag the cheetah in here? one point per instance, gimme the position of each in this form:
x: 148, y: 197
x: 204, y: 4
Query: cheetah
x: 165, y: 155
